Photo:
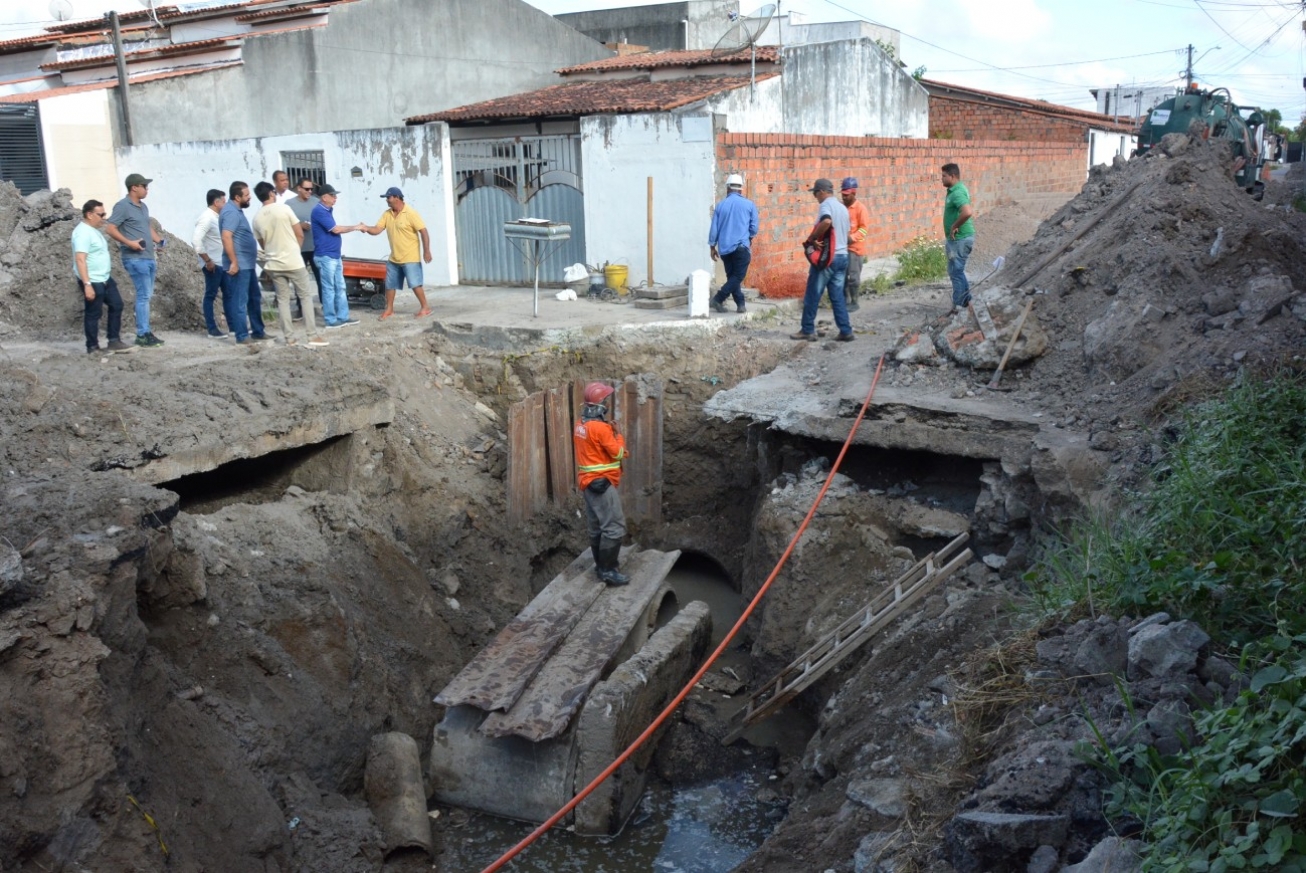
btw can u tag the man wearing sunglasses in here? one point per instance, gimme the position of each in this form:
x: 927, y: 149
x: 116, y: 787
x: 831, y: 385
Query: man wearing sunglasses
x: 91, y: 264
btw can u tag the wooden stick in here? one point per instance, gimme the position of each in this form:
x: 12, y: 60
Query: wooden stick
x: 1074, y: 237
x: 997, y: 376
x: 650, y: 231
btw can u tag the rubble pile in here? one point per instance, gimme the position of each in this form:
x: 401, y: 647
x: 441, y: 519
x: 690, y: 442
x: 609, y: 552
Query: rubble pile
x: 38, y: 291
x: 1182, y: 277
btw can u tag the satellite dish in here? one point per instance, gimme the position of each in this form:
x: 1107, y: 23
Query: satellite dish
x: 743, y: 32
x: 61, y: 10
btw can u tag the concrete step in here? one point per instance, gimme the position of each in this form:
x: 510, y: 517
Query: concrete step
x: 668, y: 303
x: 662, y: 292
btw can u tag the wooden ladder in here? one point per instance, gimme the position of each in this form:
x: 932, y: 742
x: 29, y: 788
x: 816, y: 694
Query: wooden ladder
x: 839, y: 643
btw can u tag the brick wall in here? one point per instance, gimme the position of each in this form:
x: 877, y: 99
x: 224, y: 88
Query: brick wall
x: 899, y: 182
x: 954, y: 119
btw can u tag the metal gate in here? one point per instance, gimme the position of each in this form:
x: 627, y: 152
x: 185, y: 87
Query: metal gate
x: 22, y: 156
x: 498, y: 180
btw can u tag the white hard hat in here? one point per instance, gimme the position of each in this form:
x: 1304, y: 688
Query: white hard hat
x: 734, y: 180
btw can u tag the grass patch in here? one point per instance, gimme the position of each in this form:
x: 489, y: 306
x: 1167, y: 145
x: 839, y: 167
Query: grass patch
x: 922, y: 260
x: 1220, y: 539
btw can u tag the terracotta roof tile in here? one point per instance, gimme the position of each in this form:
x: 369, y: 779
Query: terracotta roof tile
x: 285, y: 12
x: 101, y: 23
x: 1069, y: 113
x: 572, y: 99
x: 181, y: 48
x: 34, y: 96
x: 23, y: 42
x: 768, y: 54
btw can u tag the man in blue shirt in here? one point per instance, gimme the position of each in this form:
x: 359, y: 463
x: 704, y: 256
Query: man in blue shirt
x: 326, y: 256
x: 243, y: 301
x: 734, y: 224
x: 831, y: 229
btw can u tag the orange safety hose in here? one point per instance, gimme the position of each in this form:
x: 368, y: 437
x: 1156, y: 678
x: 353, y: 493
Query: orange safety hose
x: 689, y: 686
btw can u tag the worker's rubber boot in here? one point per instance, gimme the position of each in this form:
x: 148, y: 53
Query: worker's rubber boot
x: 610, y: 555
x: 596, y: 545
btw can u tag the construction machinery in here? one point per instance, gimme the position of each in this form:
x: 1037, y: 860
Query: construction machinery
x: 1213, y: 115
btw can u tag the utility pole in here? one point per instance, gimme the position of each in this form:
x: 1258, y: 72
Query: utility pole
x: 1188, y: 73
x: 122, y: 78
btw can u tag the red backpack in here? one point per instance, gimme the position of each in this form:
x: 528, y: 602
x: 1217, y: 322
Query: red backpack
x: 820, y: 254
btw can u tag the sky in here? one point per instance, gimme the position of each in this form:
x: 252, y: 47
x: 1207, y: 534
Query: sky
x: 1053, y: 50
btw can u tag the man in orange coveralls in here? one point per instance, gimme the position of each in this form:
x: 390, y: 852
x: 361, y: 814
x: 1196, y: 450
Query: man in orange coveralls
x: 599, y: 451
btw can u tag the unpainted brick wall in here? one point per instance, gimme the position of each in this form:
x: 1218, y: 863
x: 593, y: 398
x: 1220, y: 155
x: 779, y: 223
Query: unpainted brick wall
x: 966, y: 119
x: 899, y: 183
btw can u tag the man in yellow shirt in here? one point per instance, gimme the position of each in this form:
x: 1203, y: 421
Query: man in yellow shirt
x: 403, y: 227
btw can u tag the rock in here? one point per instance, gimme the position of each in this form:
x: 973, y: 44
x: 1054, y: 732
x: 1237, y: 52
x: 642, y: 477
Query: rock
x: 983, y: 842
x: 996, y: 562
x: 1124, y: 339
x: 1219, y: 301
x: 1218, y: 670
x: 1154, y: 618
x: 1112, y: 855
x: 961, y: 341
x: 1089, y: 650
x: 873, y: 856
x: 1034, y: 776
x: 1166, y: 649
x: 11, y: 568
x: 1173, y: 144
x: 915, y: 348
x: 882, y: 796
x: 1044, y: 860
x: 1171, y: 722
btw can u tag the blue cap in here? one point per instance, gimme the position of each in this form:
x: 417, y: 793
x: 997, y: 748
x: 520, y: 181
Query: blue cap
x: 393, y: 192
x: 848, y: 184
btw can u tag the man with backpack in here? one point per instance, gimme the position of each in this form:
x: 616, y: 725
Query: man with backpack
x: 827, y: 254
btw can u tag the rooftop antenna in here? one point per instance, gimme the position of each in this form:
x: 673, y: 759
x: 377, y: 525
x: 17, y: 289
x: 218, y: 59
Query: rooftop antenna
x: 743, y: 33
x: 154, y: 16
x: 61, y: 10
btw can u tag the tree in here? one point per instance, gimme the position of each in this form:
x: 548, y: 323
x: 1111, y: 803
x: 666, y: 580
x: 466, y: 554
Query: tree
x: 1274, y: 122
x: 1299, y: 134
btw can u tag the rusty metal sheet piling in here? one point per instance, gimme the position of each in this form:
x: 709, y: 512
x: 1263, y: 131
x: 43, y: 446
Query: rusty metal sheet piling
x: 528, y: 470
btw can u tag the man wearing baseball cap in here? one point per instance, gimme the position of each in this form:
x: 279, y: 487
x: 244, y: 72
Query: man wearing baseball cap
x: 403, y: 227
x: 734, y: 224
x: 859, y: 220
x: 130, y: 227
x: 326, y: 253
x: 831, y: 229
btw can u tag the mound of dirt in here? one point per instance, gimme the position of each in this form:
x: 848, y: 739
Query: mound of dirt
x: 1183, y: 277
x: 38, y: 291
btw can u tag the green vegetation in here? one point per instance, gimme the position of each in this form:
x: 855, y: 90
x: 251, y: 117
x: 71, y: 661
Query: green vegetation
x: 922, y: 260
x: 1220, y: 539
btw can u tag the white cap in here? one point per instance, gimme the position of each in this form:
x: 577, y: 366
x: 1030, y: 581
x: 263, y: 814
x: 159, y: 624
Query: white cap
x: 734, y: 180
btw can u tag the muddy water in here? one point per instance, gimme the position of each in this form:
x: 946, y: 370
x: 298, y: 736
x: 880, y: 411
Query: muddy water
x: 706, y: 828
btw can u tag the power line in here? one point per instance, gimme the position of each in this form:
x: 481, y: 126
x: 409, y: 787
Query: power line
x: 1064, y: 63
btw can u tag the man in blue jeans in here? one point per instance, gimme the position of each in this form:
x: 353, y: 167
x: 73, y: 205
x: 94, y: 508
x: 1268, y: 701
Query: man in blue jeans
x: 129, y: 225
x: 243, y: 301
x: 326, y: 256
x: 831, y: 230
x: 958, y: 233
x: 734, y: 224
x: 207, y: 242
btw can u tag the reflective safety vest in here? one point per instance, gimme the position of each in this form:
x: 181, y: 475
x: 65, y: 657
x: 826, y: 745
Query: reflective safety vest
x: 599, y: 451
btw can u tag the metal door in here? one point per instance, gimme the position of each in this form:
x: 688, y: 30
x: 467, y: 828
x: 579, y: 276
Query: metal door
x: 22, y: 154
x: 498, y: 180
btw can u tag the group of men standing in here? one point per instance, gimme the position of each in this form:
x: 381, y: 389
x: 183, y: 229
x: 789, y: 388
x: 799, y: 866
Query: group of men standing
x: 836, y: 247
x: 294, y: 233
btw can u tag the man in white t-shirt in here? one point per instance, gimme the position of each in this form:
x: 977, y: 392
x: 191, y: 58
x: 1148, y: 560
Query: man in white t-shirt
x: 277, y: 231
x: 281, y: 182
x: 207, y: 242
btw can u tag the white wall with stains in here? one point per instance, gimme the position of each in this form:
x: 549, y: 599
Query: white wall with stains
x: 361, y: 164
x: 619, y: 154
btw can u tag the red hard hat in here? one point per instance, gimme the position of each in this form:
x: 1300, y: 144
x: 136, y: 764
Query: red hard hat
x: 597, y: 392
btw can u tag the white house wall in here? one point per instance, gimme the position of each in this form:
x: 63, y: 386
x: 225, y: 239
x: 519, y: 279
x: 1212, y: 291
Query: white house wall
x: 412, y: 158
x: 758, y: 109
x: 78, y: 139
x: 851, y: 88
x: 619, y: 154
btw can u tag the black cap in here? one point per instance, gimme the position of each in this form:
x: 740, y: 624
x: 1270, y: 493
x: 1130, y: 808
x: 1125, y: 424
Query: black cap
x: 822, y: 185
x: 324, y: 188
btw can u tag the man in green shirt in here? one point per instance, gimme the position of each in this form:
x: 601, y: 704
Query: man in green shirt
x: 958, y: 233
x: 91, y: 265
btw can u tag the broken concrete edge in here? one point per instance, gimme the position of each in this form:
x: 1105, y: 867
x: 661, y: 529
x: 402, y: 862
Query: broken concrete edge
x: 622, y: 706
x: 523, y: 340
x: 317, y: 426
x: 395, y: 793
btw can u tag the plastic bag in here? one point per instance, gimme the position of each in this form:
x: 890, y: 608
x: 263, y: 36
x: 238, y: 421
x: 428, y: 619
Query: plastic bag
x: 575, y: 273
